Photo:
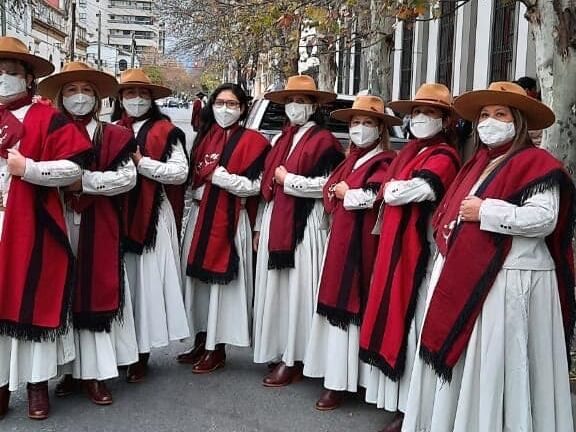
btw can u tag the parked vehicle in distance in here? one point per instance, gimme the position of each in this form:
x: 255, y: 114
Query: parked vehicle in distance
x: 173, y: 103
x: 269, y: 118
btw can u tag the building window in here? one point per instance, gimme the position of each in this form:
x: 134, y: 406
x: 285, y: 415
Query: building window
x: 446, y: 43
x: 503, y: 36
x: 406, y: 60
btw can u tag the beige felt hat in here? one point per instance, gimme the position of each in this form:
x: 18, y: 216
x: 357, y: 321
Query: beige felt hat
x: 538, y: 116
x: 300, y: 85
x: 12, y: 48
x: 137, y: 78
x: 105, y: 84
x: 367, y: 105
x: 432, y: 94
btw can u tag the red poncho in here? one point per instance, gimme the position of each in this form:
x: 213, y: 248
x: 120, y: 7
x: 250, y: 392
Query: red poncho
x: 352, y: 246
x: 317, y: 153
x: 213, y: 257
x: 99, y: 277
x: 36, y: 261
x: 473, y: 258
x: 403, y: 255
x: 141, y: 209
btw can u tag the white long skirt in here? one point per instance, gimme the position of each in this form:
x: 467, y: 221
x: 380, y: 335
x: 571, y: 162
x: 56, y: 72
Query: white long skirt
x: 32, y: 362
x: 514, y: 374
x: 224, y: 312
x: 154, y: 279
x: 332, y: 354
x: 98, y: 354
x: 381, y: 390
x: 285, y: 300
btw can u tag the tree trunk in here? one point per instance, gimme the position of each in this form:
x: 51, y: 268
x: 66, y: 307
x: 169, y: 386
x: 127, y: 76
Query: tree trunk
x: 552, y: 24
x: 381, y: 43
x: 328, y: 68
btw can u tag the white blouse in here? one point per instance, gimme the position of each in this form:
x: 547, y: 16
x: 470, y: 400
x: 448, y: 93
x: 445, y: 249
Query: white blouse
x: 108, y: 183
x: 529, y: 225
x: 174, y: 171
x: 58, y: 173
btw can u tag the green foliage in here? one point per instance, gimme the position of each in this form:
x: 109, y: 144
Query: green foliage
x: 155, y: 73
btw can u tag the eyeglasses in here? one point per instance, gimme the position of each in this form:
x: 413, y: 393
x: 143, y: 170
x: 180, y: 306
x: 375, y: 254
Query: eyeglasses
x: 232, y: 104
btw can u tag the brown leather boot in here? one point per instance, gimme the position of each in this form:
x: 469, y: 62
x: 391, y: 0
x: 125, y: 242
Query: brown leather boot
x: 97, y: 392
x: 211, y: 360
x: 194, y: 355
x: 66, y: 386
x: 396, y: 424
x: 4, y: 400
x: 330, y: 400
x: 283, y: 375
x: 38, y: 401
x: 138, y: 371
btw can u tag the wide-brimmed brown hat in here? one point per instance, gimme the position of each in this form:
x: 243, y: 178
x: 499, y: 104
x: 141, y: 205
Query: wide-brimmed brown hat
x: 429, y: 94
x: 367, y: 105
x: 538, y: 116
x: 105, y: 84
x: 300, y: 85
x: 12, y: 48
x: 137, y: 78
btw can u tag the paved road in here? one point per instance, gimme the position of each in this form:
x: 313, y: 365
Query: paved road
x: 174, y: 399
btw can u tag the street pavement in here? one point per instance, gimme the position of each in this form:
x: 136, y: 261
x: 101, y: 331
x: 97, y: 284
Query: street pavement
x: 174, y: 399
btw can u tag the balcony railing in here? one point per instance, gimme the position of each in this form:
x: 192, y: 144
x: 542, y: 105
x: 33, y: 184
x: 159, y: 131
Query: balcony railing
x: 49, y: 16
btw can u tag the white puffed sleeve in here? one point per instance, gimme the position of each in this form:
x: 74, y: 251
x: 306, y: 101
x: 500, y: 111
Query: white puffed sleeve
x: 536, y: 218
x: 359, y: 199
x: 173, y: 171
x: 235, y: 184
x: 57, y: 173
x: 402, y: 192
x: 110, y: 183
x: 304, y: 187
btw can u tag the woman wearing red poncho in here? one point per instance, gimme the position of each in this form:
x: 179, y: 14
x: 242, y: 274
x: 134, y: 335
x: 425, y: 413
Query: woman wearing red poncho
x: 37, y: 148
x: 349, y: 197
x: 152, y: 216
x: 416, y: 182
x: 292, y: 237
x: 227, y: 163
x: 102, y: 315
x: 500, y: 310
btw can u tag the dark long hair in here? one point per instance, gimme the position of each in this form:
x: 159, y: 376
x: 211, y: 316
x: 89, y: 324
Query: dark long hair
x: 207, y: 119
x: 154, y: 113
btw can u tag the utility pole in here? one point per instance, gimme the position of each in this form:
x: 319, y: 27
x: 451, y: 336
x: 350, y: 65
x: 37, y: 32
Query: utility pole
x: 3, y: 7
x: 132, y: 60
x: 99, y: 40
x: 73, y: 32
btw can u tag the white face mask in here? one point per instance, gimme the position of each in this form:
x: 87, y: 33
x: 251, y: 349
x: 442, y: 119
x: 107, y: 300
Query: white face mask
x: 226, y: 117
x: 298, y: 113
x: 364, y: 136
x: 423, y: 126
x: 495, y: 133
x: 79, y: 104
x: 136, y: 107
x: 11, y: 85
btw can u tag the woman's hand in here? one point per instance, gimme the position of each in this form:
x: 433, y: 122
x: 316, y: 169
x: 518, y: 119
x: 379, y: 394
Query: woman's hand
x: 340, y: 190
x: 74, y: 187
x: 16, y: 163
x: 470, y: 209
x: 255, y: 241
x: 280, y: 175
x: 137, y: 156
